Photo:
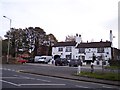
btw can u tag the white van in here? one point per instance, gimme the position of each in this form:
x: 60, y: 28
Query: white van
x: 37, y: 58
x: 45, y: 59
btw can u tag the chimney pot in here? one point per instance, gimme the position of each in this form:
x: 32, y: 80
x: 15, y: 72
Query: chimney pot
x: 76, y: 34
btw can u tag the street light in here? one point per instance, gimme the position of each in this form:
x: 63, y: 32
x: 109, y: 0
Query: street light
x: 8, y: 38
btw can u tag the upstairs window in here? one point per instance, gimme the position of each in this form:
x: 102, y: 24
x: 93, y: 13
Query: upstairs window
x: 81, y: 50
x: 68, y: 49
x: 100, y: 50
x: 60, y: 49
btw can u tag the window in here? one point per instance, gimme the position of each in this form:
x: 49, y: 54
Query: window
x: 100, y: 50
x: 81, y: 50
x: 60, y: 49
x: 68, y: 57
x: 107, y: 52
x: 68, y: 49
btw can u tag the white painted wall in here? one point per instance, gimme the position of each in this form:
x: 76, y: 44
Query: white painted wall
x: 89, y: 53
x: 63, y: 53
x: 88, y: 56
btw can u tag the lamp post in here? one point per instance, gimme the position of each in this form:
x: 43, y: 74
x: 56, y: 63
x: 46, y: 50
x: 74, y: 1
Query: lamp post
x: 8, y: 38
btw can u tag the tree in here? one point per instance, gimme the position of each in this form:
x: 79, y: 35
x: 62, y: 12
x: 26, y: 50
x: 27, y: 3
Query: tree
x: 51, y: 40
x: 70, y: 38
x: 29, y: 39
x: 4, y: 46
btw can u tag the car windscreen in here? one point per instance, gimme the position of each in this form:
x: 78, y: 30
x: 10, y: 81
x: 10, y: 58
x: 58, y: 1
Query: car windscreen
x: 42, y: 58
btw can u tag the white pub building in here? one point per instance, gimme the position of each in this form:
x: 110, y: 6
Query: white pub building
x: 89, y: 52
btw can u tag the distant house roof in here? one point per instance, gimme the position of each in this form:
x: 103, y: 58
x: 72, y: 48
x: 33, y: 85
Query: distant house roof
x: 94, y: 45
x: 58, y: 44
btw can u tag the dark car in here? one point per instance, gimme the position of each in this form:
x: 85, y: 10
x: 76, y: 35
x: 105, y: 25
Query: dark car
x: 29, y: 59
x: 61, y: 62
x: 75, y: 62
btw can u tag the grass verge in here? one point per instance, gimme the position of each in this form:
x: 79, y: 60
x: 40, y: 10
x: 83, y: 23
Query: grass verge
x: 112, y: 67
x: 98, y: 75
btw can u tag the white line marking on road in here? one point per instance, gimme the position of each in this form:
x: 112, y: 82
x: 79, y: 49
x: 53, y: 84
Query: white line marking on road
x: 35, y: 79
x: 15, y: 75
x: 9, y: 69
x: 5, y: 69
x: 43, y: 80
x: 106, y: 87
x: 13, y: 70
x: 10, y: 83
x: 43, y: 84
x: 81, y: 86
x: 8, y: 77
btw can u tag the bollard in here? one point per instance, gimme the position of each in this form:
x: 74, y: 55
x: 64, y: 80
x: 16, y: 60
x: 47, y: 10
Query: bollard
x: 78, y: 69
x: 92, y: 68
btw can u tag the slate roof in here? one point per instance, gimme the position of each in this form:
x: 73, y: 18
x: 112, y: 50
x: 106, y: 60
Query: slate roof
x: 59, y: 44
x: 94, y: 45
x: 84, y: 45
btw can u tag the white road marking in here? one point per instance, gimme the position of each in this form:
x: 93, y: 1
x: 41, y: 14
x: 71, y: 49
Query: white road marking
x: 81, y: 86
x: 43, y: 84
x: 35, y: 79
x: 5, y: 69
x: 15, y: 75
x: 106, y: 87
x: 43, y: 80
x: 10, y: 83
x: 8, y: 77
x: 13, y: 70
x: 9, y: 69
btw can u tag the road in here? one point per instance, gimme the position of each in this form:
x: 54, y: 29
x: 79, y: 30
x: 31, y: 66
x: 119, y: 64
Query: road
x: 45, y: 69
x: 12, y: 78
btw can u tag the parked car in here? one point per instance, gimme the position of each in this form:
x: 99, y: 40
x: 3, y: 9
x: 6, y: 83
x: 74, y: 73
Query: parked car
x: 45, y: 59
x: 52, y: 61
x: 22, y: 61
x: 75, y: 62
x: 36, y: 59
x: 61, y: 62
x: 30, y: 60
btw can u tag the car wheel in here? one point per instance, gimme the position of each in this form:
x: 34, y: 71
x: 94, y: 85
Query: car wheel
x: 55, y: 64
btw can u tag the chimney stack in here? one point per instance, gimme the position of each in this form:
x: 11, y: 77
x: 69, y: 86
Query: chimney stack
x: 78, y: 38
x: 111, y: 36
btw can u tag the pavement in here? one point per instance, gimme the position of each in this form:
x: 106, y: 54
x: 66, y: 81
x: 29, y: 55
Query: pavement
x: 72, y: 76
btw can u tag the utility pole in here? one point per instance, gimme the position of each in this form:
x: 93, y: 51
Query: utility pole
x: 8, y: 39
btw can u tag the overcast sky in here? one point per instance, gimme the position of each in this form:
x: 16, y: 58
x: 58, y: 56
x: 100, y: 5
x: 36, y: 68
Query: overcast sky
x: 93, y: 19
